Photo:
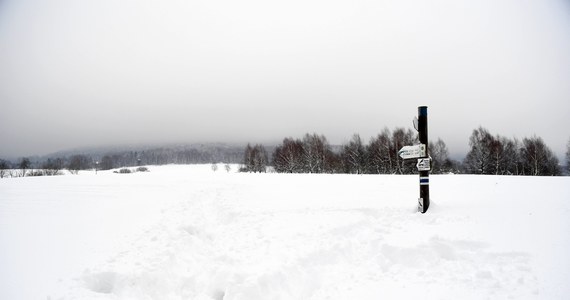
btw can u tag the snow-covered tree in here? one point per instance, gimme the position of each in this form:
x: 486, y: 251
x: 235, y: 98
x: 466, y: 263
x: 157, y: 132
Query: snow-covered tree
x: 479, y: 157
x: 4, y: 166
x: 24, y: 165
x: 539, y: 160
x: 401, y: 138
x: 380, y: 155
x: 255, y: 158
x: 353, y: 156
x: 316, y: 148
x: 288, y: 157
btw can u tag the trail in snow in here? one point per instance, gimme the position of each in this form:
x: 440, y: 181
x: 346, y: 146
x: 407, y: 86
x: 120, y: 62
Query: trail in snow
x: 282, y: 236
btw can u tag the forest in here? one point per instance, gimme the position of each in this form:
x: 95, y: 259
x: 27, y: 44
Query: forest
x: 488, y: 154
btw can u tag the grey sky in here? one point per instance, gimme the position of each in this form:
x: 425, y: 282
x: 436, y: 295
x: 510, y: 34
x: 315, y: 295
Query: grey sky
x: 79, y: 73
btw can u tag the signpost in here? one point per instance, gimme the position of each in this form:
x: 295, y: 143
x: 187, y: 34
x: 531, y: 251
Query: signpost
x: 414, y: 151
x: 424, y: 164
x: 421, y: 153
x: 423, y: 201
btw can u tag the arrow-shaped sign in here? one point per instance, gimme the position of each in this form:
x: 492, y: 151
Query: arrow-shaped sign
x: 414, y: 151
x: 424, y: 164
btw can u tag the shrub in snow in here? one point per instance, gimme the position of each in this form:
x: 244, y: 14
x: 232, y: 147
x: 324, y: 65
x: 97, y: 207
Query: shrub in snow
x: 35, y: 173
x: 125, y: 171
x: 142, y: 169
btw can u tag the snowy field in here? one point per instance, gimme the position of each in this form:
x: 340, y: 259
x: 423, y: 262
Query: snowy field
x: 187, y: 232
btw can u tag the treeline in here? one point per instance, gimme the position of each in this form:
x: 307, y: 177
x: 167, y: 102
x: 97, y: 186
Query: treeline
x: 53, y: 165
x: 314, y: 154
x: 495, y: 154
x: 488, y: 154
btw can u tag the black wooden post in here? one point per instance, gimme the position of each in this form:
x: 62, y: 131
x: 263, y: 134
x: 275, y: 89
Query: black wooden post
x: 423, y: 202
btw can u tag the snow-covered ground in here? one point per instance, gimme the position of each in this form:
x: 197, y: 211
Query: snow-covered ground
x: 187, y: 232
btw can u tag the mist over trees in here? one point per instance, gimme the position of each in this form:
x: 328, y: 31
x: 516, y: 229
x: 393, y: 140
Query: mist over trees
x: 110, y: 159
x: 488, y: 154
x: 78, y: 162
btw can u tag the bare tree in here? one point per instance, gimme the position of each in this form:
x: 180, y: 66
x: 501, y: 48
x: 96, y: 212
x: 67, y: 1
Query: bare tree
x: 353, y: 156
x: 380, y: 155
x: 52, y: 166
x: 4, y: 166
x: 539, y: 160
x: 316, y: 148
x: 248, y: 159
x: 440, y: 157
x: 260, y: 158
x: 504, y: 156
x: 401, y: 138
x: 78, y: 162
x: 24, y: 165
x: 288, y: 157
x: 107, y: 162
x: 255, y: 158
x: 478, y: 159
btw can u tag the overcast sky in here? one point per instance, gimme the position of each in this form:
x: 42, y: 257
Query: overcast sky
x: 76, y: 73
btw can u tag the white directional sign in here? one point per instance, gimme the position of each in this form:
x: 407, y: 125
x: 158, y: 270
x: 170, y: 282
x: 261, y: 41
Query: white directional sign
x: 424, y: 164
x: 414, y: 151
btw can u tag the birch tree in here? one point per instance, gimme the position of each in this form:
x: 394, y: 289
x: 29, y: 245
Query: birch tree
x: 288, y: 157
x: 478, y: 159
x: 316, y: 148
x: 380, y: 155
x: 353, y: 156
x: 539, y: 160
x: 440, y: 157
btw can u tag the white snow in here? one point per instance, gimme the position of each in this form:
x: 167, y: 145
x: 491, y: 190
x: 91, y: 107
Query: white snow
x: 187, y: 232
